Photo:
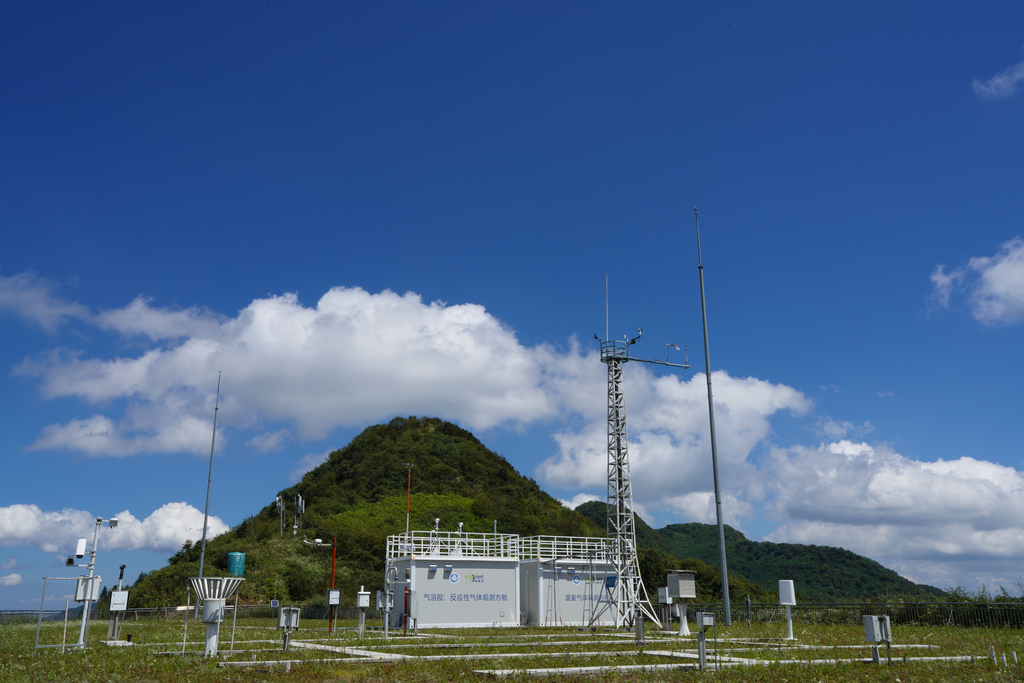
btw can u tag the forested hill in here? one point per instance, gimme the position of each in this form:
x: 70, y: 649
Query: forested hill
x: 359, y: 497
x: 819, y: 573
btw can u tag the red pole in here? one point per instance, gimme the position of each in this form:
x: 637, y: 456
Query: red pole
x: 334, y: 562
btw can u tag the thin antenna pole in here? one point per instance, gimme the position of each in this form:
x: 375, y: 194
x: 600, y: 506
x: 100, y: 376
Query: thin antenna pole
x: 714, y: 447
x: 606, y: 308
x: 209, y: 478
x: 408, y: 500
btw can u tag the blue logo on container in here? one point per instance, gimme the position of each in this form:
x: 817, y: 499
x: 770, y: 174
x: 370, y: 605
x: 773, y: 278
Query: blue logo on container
x: 455, y: 578
x: 576, y: 580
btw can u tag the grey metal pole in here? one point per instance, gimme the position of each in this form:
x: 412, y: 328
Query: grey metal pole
x: 86, y: 611
x: 714, y: 447
x: 184, y: 634
x: 209, y: 478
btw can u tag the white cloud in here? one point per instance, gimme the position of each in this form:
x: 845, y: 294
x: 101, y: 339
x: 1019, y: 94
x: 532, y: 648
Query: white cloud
x: 578, y: 499
x: 999, y: 294
x: 10, y: 563
x: 58, y: 532
x: 912, y: 515
x: 139, y: 318
x: 699, y: 506
x: 994, y: 284
x: 833, y: 429
x: 1003, y: 84
x: 944, y: 283
x: 271, y: 441
x: 669, y: 437
x: 11, y: 580
x: 354, y: 358
x: 307, y: 463
x: 32, y: 298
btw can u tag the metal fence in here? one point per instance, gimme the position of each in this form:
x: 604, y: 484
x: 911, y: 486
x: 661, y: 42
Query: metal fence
x: 314, y: 612
x: 991, y: 615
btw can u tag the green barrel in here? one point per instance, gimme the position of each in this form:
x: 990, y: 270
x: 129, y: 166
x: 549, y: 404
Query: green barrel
x: 236, y: 564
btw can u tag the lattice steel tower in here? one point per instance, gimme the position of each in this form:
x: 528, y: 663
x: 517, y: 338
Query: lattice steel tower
x: 629, y: 594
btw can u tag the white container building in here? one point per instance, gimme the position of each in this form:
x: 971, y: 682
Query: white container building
x: 563, y: 581
x: 453, y: 579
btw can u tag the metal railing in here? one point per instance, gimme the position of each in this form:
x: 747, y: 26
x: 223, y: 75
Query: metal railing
x: 321, y: 612
x: 581, y: 548
x: 988, y: 615
x: 452, y: 544
x: 963, y: 615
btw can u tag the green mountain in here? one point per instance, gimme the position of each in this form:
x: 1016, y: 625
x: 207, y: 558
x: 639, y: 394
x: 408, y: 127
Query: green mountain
x: 819, y: 573
x: 359, y: 496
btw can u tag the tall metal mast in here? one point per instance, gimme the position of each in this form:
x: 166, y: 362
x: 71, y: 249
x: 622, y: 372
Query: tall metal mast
x: 209, y: 478
x: 629, y: 593
x: 714, y: 448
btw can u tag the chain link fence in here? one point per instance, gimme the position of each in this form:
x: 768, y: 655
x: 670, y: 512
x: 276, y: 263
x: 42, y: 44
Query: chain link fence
x: 990, y: 615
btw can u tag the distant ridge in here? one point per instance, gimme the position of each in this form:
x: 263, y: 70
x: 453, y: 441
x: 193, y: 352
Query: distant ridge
x: 820, y: 573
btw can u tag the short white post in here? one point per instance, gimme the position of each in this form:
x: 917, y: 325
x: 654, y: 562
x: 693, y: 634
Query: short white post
x: 787, y: 597
x: 684, y: 627
x: 213, y: 615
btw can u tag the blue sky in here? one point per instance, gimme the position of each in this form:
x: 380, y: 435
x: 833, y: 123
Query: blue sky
x: 357, y: 211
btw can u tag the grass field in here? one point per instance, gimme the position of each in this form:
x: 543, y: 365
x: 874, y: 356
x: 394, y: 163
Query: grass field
x: 740, y: 653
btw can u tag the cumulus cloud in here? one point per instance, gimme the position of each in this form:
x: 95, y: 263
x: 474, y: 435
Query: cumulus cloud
x: 11, y: 580
x: 354, y: 358
x: 998, y: 296
x: 906, y: 513
x: 699, y: 506
x: 1003, y: 84
x: 669, y: 438
x: 139, y: 318
x: 578, y: 499
x: 32, y: 298
x: 58, y: 531
x: 994, y: 284
x: 271, y: 441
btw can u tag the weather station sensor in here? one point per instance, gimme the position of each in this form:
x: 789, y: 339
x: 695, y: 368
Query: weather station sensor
x: 878, y: 630
x: 334, y: 597
x: 363, y: 603
x: 87, y: 588
x: 287, y: 621
x: 787, y: 597
x: 705, y: 620
x: 682, y: 586
x: 80, y: 549
x: 118, y: 601
x: 214, y: 592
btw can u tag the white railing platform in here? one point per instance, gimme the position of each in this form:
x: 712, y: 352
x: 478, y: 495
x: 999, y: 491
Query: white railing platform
x: 565, y: 548
x: 452, y: 544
